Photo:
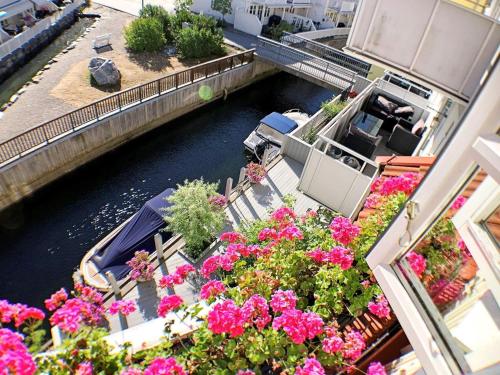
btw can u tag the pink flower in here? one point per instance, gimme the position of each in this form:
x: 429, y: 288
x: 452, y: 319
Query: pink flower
x: 168, y: 304
x: 245, y: 372
x: 226, y: 317
x: 343, y: 230
x: 7, y: 311
x: 405, y: 183
x: 284, y: 214
x: 417, y: 263
x: 365, y: 283
x: 141, y: 268
x: 268, y: 233
x: 218, y: 201
x: 380, y: 308
x: 210, y: 265
x: 84, y: 368
x: 14, y: 355
x: 290, y: 233
x: 164, y: 366
x: 341, y: 256
x: 376, y: 368
x: 211, y: 289
x: 256, y: 311
x: 283, y: 300
x: 233, y: 237
x: 459, y: 202
x: 123, y: 307
x: 308, y: 215
x: 373, y: 201
x: 89, y: 294
x: 354, y: 344
x: 75, y: 312
x: 131, y: 371
x: 25, y: 313
x: 255, y: 172
x: 56, y: 299
x: 332, y: 344
x: 298, y: 325
x: 178, y: 277
x: 311, y: 367
x: 318, y: 255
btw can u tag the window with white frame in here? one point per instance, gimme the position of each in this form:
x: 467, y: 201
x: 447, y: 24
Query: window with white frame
x: 267, y: 11
x: 439, y: 262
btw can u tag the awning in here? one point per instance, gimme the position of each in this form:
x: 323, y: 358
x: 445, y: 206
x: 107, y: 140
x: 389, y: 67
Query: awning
x: 15, y: 7
x: 279, y: 122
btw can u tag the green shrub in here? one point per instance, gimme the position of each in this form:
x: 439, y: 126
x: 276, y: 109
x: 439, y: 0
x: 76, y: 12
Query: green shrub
x: 277, y: 31
x: 310, y: 135
x: 200, y: 41
x: 145, y: 35
x: 193, y: 216
x: 333, y: 109
x: 159, y: 13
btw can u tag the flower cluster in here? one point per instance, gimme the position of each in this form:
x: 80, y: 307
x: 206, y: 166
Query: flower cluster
x: 123, y: 307
x: 311, y: 367
x: 19, y: 313
x: 84, y: 368
x: 164, y: 366
x: 405, y: 183
x: 376, y: 368
x: 417, y: 263
x: 283, y: 300
x: 299, y: 325
x: 255, y: 172
x: 374, y: 200
x: 343, y: 230
x: 169, y: 303
x: 211, y: 289
x: 380, y: 308
x: 333, y: 343
x: 354, y: 344
x: 245, y: 372
x: 338, y: 255
x: 141, y: 267
x: 75, y: 312
x: 213, y: 263
x: 178, y: 277
x: 218, y: 200
x: 14, y: 355
x: 56, y: 299
x: 233, y: 237
x: 256, y: 311
x: 459, y: 202
x: 284, y: 215
x: 227, y: 317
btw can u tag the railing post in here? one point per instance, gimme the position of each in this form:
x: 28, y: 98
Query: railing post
x: 159, y: 248
x: 241, y: 178
x: 229, y: 187
x: 95, y: 111
x: 176, y: 80
x: 119, y: 98
x: 191, y: 75
x: 265, y: 156
x: 45, y: 134
x: 114, y: 285
x: 231, y: 63
x: 158, y: 84
x: 140, y: 94
x: 72, y: 120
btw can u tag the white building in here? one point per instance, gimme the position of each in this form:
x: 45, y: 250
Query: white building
x: 305, y: 15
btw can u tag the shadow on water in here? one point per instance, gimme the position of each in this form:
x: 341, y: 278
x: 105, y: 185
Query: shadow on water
x: 44, y: 238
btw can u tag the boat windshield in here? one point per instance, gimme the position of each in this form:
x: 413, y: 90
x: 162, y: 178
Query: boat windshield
x: 270, y: 134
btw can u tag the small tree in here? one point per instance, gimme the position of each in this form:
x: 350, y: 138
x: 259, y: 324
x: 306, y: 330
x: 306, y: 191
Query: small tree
x: 161, y: 14
x: 194, y: 216
x: 198, y: 42
x: 222, y: 6
x: 145, y: 35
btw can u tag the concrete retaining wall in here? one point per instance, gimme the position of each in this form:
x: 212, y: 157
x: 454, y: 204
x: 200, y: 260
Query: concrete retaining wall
x: 23, y: 177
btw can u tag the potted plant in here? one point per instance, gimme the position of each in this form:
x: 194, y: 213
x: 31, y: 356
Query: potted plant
x: 197, y: 214
x: 141, y: 268
x: 255, y: 173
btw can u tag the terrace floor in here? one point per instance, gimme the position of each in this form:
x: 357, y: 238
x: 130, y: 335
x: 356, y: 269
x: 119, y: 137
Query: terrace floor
x: 253, y: 203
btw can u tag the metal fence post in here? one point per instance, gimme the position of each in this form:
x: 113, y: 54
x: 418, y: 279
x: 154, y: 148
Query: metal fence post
x: 229, y: 187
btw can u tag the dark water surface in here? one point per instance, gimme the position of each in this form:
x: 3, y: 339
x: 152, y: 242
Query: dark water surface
x: 43, y: 239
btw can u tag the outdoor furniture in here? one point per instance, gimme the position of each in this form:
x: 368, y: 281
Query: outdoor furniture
x: 101, y: 41
x: 388, y: 109
x: 404, y: 140
x: 367, y: 123
x: 362, y: 136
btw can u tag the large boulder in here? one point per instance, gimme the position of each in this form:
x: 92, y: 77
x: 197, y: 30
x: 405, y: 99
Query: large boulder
x: 104, y: 71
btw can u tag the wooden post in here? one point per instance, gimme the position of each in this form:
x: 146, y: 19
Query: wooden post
x: 159, y: 248
x: 114, y: 285
x: 242, y: 175
x: 265, y: 156
x: 229, y: 187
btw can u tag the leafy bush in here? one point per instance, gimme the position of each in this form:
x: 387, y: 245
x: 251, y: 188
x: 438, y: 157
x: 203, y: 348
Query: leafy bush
x: 194, y: 216
x: 310, y: 135
x: 145, y: 35
x: 159, y: 13
x: 200, y: 41
x: 278, y: 30
x: 333, y: 109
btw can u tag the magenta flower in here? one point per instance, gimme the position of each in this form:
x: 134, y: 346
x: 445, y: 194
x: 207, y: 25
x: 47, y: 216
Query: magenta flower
x: 459, y: 202
x: 298, y: 325
x: 354, y: 344
x: 168, y: 304
x: 177, y: 278
x: 417, y: 263
x: 256, y: 311
x: 365, y: 283
x: 311, y: 367
x: 89, y: 294
x: 123, y: 307
x: 290, y: 233
x: 380, y: 308
x: 284, y: 214
x: 283, y: 300
x: 343, y: 230
x: 210, y: 265
x: 405, y: 183
x: 75, y: 312
x: 376, y: 368
x: 84, y: 368
x: 56, y: 299
x: 218, y: 201
x: 233, y: 237
x: 141, y: 267
x: 25, y: 313
x: 318, y: 255
x: 14, y: 355
x: 255, y: 172
x: 227, y: 317
x: 211, y: 289
x: 245, y: 372
x: 373, y: 201
x: 333, y: 344
x: 341, y: 256
x: 268, y: 233
x: 164, y: 366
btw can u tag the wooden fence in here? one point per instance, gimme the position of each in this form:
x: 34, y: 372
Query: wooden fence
x: 44, y: 134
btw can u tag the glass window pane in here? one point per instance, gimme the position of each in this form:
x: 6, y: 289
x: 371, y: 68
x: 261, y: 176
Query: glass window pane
x: 492, y: 226
x: 444, y: 278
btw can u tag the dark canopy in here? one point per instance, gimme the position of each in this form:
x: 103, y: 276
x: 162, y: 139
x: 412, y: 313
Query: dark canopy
x: 279, y: 122
x: 137, y: 234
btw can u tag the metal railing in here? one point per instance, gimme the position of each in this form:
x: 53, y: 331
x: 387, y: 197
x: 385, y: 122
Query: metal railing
x: 407, y: 85
x: 68, y: 123
x: 328, y: 53
x: 294, y: 59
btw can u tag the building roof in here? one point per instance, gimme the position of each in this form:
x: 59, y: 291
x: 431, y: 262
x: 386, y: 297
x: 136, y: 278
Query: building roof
x: 279, y: 122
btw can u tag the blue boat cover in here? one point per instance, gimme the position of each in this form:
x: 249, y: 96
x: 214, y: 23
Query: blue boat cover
x: 279, y: 122
x: 137, y: 234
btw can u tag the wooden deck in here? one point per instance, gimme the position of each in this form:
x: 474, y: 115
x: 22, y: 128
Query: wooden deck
x: 253, y: 203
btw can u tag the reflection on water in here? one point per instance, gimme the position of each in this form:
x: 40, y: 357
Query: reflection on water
x: 44, y: 238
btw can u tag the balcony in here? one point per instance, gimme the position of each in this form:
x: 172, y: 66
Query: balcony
x: 437, y: 42
x: 299, y: 3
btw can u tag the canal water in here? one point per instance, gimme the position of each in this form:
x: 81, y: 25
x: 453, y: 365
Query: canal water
x: 43, y: 239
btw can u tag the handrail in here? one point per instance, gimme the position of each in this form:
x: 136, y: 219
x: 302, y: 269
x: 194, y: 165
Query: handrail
x: 42, y: 135
x: 329, y: 53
